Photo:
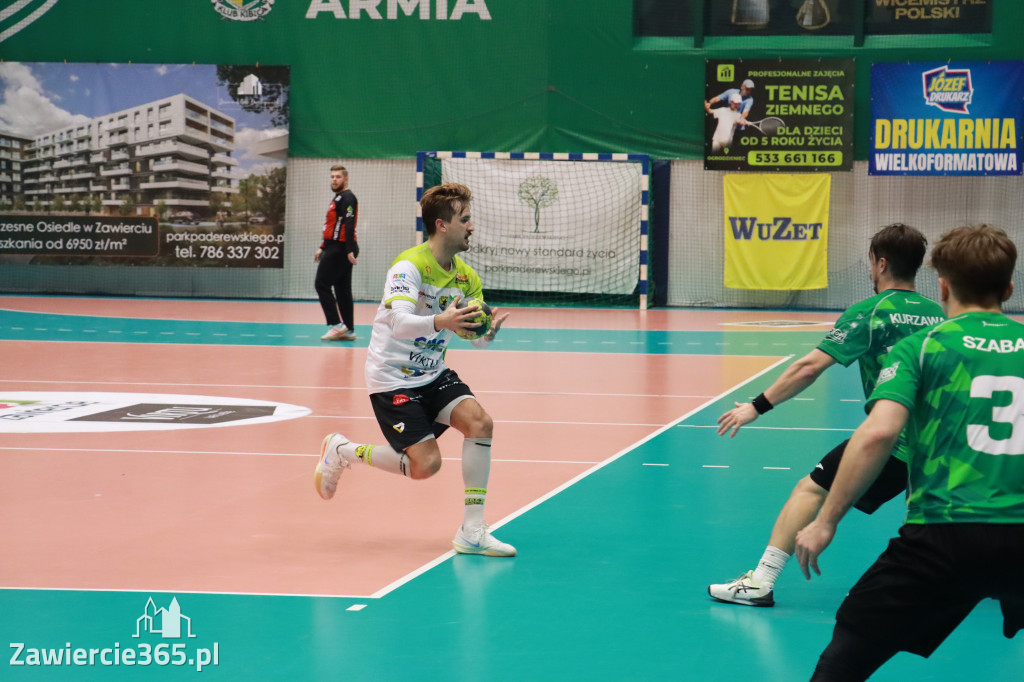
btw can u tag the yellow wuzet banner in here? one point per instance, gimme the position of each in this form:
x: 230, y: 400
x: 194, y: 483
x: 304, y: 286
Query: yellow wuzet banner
x: 776, y: 231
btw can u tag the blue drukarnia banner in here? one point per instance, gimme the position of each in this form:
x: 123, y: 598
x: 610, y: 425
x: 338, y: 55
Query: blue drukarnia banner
x: 946, y: 118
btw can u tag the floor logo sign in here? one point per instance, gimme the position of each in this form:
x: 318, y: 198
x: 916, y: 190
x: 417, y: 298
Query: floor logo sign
x: 46, y: 412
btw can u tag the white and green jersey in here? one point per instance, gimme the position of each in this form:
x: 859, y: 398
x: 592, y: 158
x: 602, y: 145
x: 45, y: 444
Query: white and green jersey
x: 416, y: 284
x: 963, y: 382
x: 867, y: 332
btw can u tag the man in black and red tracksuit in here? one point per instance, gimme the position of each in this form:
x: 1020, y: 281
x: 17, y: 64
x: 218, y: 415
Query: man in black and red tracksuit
x: 336, y: 256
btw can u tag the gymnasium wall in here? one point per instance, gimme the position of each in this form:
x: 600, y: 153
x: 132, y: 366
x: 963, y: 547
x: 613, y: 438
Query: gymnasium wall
x: 499, y: 75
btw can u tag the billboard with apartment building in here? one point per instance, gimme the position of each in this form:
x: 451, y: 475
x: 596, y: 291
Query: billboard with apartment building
x: 145, y: 164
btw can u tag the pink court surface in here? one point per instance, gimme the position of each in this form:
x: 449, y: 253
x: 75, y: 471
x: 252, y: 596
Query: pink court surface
x: 232, y: 509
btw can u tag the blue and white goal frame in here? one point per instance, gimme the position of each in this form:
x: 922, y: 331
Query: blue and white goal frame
x: 645, y: 189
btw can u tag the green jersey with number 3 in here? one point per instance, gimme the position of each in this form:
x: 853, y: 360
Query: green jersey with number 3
x: 963, y: 382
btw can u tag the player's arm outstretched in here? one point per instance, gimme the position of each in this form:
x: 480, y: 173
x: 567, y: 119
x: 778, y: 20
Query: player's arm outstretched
x: 795, y: 379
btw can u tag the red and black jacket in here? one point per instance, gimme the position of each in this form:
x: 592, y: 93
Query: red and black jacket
x: 342, y: 216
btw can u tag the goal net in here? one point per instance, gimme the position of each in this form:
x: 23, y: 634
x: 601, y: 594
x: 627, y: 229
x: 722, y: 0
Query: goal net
x: 552, y: 229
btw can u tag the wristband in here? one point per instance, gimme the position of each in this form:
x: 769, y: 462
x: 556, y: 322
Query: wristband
x: 761, y: 404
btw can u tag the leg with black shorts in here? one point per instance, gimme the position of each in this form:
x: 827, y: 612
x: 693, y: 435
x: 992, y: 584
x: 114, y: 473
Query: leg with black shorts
x: 757, y: 587
x: 411, y: 420
x: 919, y: 590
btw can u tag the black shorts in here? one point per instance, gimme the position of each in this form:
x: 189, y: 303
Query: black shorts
x: 408, y: 416
x: 930, y: 577
x: 892, y: 481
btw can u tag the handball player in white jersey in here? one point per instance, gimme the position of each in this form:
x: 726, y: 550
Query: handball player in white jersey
x: 415, y: 396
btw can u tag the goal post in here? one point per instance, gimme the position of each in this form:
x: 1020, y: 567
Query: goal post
x: 552, y: 229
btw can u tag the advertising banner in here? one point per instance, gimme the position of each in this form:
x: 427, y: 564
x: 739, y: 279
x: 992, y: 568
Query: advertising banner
x: 946, y: 118
x: 776, y: 231
x: 783, y: 115
x: 144, y: 164
x: 938, y: 16
x: 546, y: 226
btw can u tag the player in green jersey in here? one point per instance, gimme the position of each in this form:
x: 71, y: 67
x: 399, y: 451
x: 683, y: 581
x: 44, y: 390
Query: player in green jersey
x: 958, y: 389
x: 415, y: 395
x: 865, y: 333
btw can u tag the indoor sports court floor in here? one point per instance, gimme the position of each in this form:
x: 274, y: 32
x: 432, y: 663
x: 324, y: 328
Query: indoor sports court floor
x: 163, y: 479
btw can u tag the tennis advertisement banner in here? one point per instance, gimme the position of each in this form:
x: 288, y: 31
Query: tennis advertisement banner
x: 946, y: 118
x: 779, y: 115
x: 144, y: 164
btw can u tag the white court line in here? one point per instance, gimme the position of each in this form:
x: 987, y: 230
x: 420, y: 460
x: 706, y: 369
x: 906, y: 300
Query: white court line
x: 162, y: 591
x: 503, y: 421
x: 270, y: 454
x: 496, y: 344
x: 360, y: 389
x: 766, y: 428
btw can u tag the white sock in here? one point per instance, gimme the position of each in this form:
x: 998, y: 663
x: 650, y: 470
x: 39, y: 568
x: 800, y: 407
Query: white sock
x: 476, y: 469
x: 385, y: 458
x: 770, y: 566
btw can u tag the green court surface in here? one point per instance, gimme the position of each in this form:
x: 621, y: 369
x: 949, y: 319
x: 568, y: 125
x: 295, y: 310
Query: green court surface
x: 610, y: 582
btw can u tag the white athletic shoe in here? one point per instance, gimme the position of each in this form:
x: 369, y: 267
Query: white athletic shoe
x: 479, y: 541
x: 744, y: 591
x: 334, y: 460
x: 341, y: 333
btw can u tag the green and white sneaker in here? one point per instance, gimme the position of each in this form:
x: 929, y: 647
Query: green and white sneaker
x: 479, y: 541
x: 335, y: 453
x: 744, y: 591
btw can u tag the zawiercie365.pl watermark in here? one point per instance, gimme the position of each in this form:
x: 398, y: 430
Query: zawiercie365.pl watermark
x: 168, y: 622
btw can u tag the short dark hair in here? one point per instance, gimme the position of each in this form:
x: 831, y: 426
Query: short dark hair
x: 903, y: 248
x: 977, y: 261
x: 442, y: 201
x: 339, y: 167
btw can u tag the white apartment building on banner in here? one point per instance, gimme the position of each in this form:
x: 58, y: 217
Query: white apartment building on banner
x: 12, y: 151
x: 174, y: 152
